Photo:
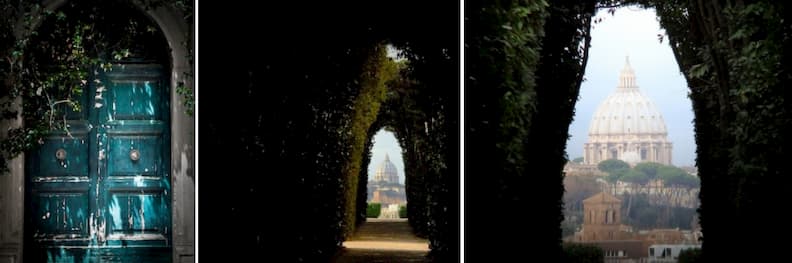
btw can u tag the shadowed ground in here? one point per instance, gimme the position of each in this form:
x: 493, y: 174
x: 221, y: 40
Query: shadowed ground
x: 384, y: 240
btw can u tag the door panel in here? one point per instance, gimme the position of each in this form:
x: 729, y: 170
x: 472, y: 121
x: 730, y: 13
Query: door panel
x: 135, y: 93
x: 61, y: 215
x: 135, y: 155
x: 100, y: 191
x: 136, y: 216
x: 63, y: 155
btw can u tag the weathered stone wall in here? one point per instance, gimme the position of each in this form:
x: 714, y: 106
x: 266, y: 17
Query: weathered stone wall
x: 12, y: 194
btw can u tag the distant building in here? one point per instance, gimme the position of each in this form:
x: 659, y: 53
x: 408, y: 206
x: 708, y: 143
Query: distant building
x: 668, y: 236
x: 622, y: 251
x: 384, y: 187
x: 627, y: 126
x: 667, y: 252
x: 602, y: 218
x: 602, y: 228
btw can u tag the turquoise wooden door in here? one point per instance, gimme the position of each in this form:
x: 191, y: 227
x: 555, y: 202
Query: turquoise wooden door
x: 101, y: 191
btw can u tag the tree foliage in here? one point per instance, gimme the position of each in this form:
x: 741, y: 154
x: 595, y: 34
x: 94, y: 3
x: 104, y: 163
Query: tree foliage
x: 734, y: 58
x: 578, y: 188
x: 525, y: 62
x: 675, y: 176
x: 692, y: 255
x: 612, y: 165
x: 643, y: 173
x: 377, y: 70
x: 574, y: 252
x: 649, y: 168
x: 419, y: 117
x: 643, y: 214
x: 634, y: 176
x: 373, y: 210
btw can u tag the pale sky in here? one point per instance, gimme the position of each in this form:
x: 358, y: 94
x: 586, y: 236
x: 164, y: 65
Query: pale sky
x: 633, y: 31
x: 385, y: 142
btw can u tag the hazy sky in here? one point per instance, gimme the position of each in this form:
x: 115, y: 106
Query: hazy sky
x: 633, y: 31
x: 385, y: 142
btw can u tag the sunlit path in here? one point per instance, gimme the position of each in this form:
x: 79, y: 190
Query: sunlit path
x: 384, y: 240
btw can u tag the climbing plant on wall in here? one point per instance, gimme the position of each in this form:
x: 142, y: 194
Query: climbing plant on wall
x: 50, y: 55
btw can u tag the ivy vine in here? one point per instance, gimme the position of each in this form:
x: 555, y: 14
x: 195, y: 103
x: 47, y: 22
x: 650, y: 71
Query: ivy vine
x: 52, y: 55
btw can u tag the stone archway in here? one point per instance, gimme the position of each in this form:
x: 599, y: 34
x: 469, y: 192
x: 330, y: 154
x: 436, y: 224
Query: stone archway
x: 176, y: 31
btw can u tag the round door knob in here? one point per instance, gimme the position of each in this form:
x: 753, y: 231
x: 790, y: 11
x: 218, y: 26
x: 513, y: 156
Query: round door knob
x: 134, y: 155
x: 60, y: 154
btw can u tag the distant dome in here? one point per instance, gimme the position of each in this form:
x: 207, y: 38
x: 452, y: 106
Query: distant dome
x: 627, y: 111
x: 387, y: 172
x: 627, y: 125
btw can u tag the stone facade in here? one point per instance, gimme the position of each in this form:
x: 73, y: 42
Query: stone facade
x: 602, y: 228
x: 628, y: 127
x: 602, y: 218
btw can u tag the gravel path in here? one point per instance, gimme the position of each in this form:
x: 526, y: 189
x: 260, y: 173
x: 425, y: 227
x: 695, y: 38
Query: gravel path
x: 384, y: 240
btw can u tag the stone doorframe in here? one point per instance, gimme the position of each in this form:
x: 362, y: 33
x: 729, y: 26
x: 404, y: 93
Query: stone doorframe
x: 12, y: 185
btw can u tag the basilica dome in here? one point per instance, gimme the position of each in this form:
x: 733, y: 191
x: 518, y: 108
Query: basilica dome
x: 387, y: 172
x: 627, y: 126
x: 627, y: 111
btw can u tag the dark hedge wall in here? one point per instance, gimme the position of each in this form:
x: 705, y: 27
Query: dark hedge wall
x: 525, y: 61
x: 735, y: 57
x: 276, y: 122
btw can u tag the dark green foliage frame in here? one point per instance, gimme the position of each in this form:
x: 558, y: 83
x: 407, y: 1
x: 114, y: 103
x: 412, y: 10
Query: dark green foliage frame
x: 733, y: 57
x: 302, y: 139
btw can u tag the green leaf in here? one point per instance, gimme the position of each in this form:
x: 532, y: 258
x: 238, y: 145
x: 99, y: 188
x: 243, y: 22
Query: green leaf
x: 698, y: 70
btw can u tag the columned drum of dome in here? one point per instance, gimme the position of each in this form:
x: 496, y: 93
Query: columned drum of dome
x: 627, y: 126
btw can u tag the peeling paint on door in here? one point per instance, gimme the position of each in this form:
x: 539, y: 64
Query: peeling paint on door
x: 101, y: 191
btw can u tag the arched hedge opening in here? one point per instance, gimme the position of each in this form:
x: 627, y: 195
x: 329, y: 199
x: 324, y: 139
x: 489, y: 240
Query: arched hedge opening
x: 288, y: 127
x: 733, y: 57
